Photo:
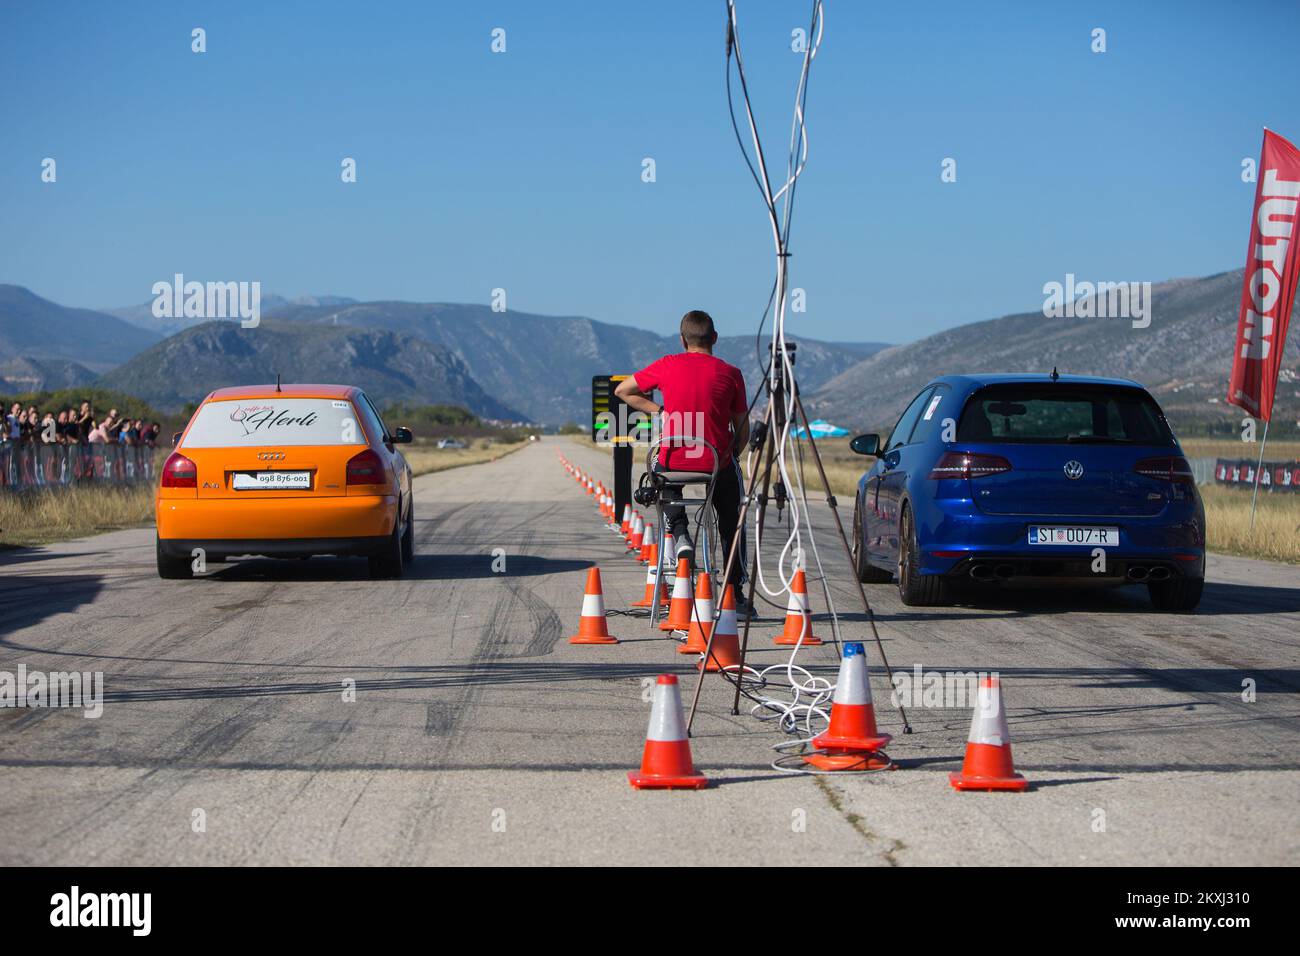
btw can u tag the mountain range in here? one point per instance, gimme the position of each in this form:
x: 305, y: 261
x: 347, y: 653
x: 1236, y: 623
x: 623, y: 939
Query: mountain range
x: 520, y: 366
x: 1182, y: 357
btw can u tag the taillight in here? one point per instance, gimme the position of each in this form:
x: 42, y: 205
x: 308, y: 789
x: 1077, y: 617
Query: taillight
x: 1172, y: 469
x: 179, y: 472
x: 964, y: 464
x: 366, y: 468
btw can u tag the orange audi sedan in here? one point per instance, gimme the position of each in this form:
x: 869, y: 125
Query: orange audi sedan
x: 286, y: 471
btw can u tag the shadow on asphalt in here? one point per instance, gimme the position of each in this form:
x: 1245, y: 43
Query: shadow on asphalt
x: 426, y: 567
x: 28, y: 601
x: 1220, y: 599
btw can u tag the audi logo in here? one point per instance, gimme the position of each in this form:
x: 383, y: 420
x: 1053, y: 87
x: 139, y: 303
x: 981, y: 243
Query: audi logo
x: 270, y: 455
x: 1073, y: 470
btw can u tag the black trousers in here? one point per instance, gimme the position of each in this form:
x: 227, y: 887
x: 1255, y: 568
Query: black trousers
x: 727, y: 492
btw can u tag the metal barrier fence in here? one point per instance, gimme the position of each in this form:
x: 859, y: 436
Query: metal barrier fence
x: 25, y: 466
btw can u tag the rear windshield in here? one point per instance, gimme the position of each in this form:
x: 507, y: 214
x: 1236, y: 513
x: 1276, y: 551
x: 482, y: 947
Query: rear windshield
x: 289, y: 421
x: 1051, y: 414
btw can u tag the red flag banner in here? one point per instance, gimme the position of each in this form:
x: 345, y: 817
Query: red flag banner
x: 1272, y: 268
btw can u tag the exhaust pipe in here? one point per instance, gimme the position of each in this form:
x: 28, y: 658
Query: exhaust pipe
x: 1005, y: 571
x: 1158, y: 574
x: 982, y: 572
x: 1138, y: 572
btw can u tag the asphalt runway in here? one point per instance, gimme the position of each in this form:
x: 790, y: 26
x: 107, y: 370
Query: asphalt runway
x: 479, y: 736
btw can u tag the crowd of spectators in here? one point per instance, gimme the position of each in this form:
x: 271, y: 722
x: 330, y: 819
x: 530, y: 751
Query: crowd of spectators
x: 77, y: 426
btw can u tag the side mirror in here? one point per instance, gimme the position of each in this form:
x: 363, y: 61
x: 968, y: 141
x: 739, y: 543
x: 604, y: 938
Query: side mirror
x: 866, y: 445
x: 402, y: 436
x: 176, y: 436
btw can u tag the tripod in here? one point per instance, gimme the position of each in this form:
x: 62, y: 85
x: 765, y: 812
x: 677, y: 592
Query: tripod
x: 766, y: 442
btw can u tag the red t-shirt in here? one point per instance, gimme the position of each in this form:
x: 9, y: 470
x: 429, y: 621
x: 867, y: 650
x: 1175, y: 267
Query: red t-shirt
x: 701, y: 395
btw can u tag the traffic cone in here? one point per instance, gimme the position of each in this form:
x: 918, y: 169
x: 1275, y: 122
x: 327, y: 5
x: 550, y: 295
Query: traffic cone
x: 638, y: 533
x: 697, y: 635
x: 851, y: 742
x: 988, y: 747
x: 726, y: 640
x: 591, y: 625
x: 649, y: 599
x: 649, y: 546
x: 627, y: 519
x: 666, y: 761
x: 679, y: 606
x: 796, y: 613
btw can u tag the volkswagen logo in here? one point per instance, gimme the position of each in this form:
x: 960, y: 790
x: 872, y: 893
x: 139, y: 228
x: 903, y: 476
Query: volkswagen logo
x: 1073, y: 470
x: 279, y: 456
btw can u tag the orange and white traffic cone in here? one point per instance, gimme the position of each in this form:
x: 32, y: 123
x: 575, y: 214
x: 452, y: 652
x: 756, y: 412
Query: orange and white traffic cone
x: 591, y: 625
x: 638, y: 533
x: 627, y: 520
x: 851, y: 742
x: 649, y: 546
x: 666, y: 761
x: 796, y: 614
x: 697, y: 635
x: 725, y: 651
x: 679, y: 606
x: 649, y: 599
x: 988, y: 763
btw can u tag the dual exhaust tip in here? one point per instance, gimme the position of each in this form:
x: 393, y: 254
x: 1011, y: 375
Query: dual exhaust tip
x: 1140, y: 572
x: 988, y: 571
x: 992, y: 572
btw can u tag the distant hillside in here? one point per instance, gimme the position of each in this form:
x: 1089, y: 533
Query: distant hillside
x: 23, y: 373
x: 391, y: 367
x: 1183, y: 357
x: 141, y: 316
x: 544, y: 364
x: 46, y: 338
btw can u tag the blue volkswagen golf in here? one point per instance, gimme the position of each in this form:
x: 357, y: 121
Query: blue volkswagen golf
x: 989, y: 479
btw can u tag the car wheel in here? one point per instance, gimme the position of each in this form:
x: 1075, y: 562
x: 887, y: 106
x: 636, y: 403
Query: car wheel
x: 172, y: 569
x: 915, y: 589
x: 408, y: 536
x: 1177, y: 594
x: 388, y: 562
x: 867, y: 572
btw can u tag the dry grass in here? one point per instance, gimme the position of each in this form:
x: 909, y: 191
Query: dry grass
x: 41, y: 517
x: 425, y: 459
x: 1277, y: 523
x: 1232, y: 448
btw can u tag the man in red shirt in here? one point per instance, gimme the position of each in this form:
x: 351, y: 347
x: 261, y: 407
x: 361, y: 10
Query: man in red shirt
x: 703, y: 398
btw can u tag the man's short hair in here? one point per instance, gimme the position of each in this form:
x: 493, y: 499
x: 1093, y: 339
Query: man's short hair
x: 697, y: 328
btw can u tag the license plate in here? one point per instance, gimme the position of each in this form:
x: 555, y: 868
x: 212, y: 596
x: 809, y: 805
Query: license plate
x: 1074, y: 534
x: 271, y: 480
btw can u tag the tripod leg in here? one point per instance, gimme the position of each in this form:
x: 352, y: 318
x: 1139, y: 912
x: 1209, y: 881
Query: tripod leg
x: 839, y: 526
x: 732, y: 557
x: 769, y: 452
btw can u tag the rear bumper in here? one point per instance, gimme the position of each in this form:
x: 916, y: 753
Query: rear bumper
x: 264, y: 521
x: 953, y: 538
x: 219, y: 549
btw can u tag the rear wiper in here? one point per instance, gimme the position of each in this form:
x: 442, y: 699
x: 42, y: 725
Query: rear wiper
x: 1098, y: 439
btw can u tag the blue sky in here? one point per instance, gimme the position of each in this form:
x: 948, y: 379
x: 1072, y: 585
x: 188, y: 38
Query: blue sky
x: 522, y: 170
